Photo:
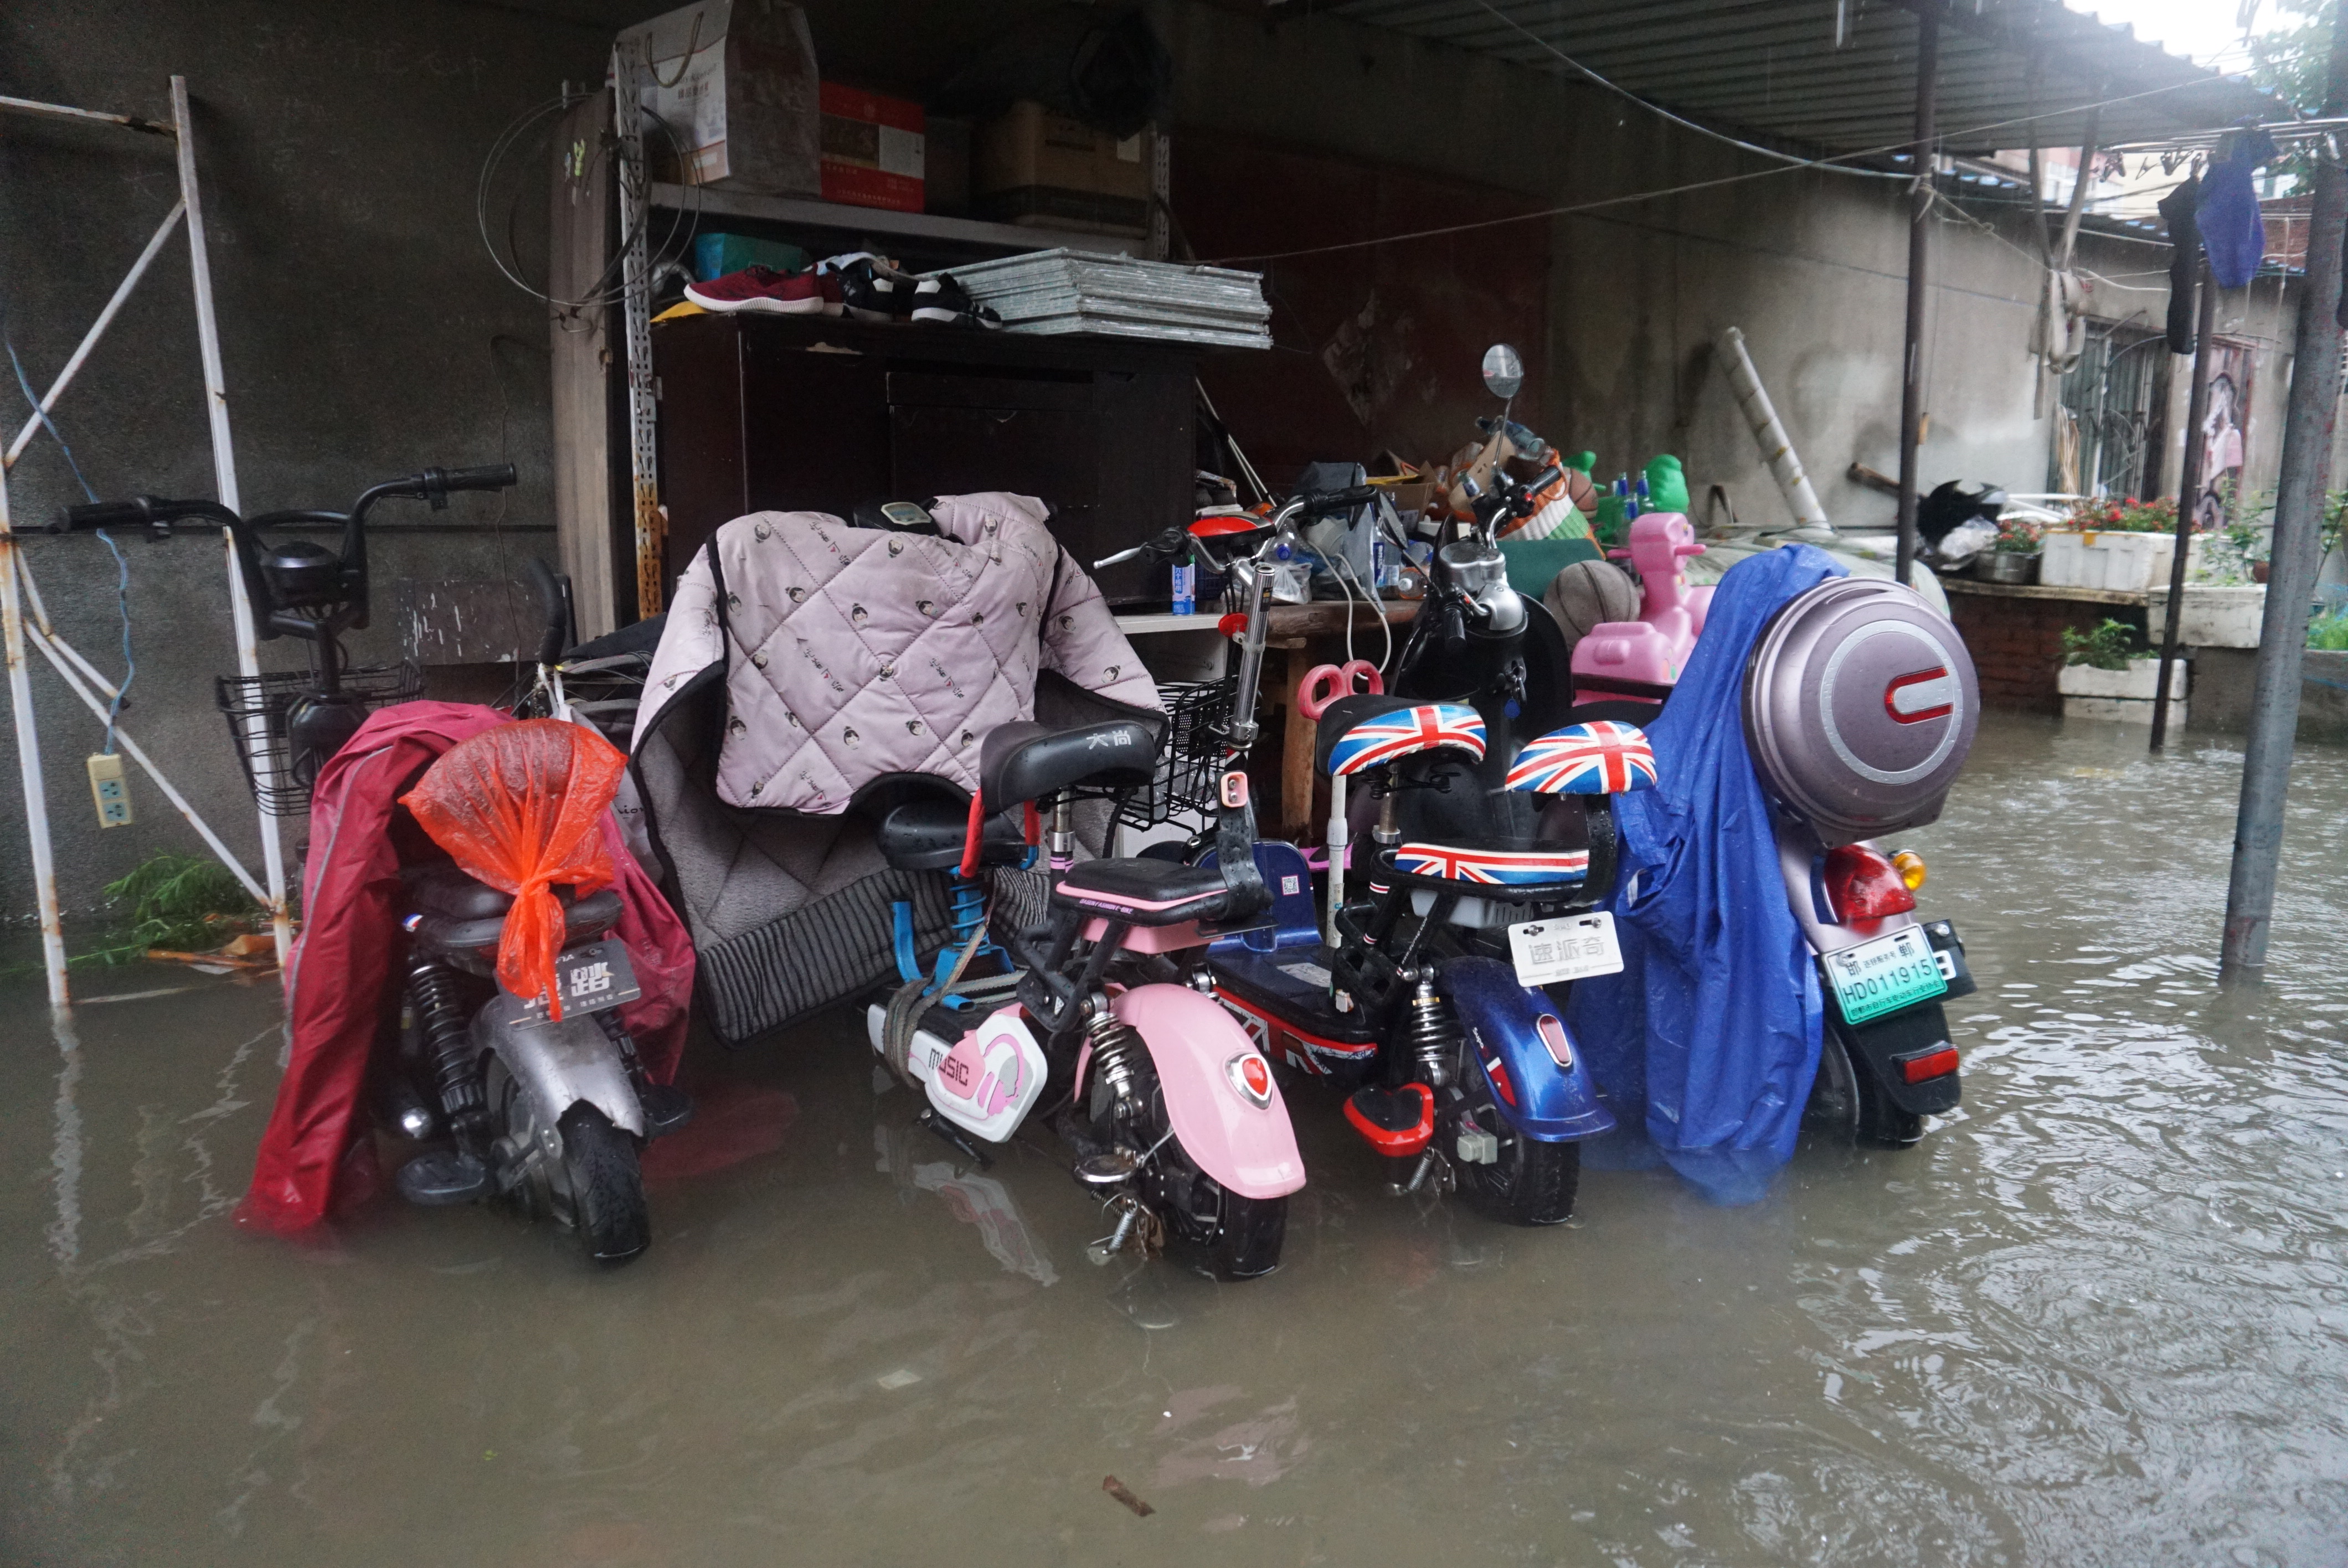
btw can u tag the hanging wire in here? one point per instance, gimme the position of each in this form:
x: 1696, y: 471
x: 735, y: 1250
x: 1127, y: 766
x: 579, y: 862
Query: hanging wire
x: 121, y: 566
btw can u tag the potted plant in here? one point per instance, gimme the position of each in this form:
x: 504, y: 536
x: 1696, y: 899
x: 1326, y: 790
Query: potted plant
x: 2014, y: 556
x: 2113, y: 543
x: 2106, y: 674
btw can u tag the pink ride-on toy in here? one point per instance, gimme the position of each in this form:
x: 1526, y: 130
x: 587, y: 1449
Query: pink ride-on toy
x: 1639, y: 661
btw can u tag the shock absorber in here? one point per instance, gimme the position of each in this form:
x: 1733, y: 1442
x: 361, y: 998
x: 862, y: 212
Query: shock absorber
x: 1427, y: 1033
x: 439, y: 996
x: 1119, y: 1057
x: 965, y: 913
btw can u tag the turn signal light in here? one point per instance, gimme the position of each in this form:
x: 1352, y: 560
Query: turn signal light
x: 1863, y: 885
x: 1911, y: 866
x: 1931, y: 1064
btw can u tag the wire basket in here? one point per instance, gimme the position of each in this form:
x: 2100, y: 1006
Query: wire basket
x: 269, y: 763
x: 1198, y: 717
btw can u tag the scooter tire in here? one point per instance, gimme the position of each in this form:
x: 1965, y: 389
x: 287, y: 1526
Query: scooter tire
x: 1531, y: 1184
x: 607, y: 1187
x: 1246, y: 1244
x: 1848, y: 1103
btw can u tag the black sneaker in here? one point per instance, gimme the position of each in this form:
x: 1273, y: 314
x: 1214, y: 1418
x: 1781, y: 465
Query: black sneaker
x: 938, y: 298
x: 872, y: 290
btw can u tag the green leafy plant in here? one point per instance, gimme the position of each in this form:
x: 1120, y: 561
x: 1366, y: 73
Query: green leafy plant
x: 2329, y: 632
x: 2108, y: 646
x: 178, y: 901
x: 2105, y: 514
x: 2018, y: 537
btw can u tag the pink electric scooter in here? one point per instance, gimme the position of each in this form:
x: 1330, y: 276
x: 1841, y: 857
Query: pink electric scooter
x: 1627, y: 662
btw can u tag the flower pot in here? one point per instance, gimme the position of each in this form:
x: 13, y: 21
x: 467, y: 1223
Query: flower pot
x: 2125, y: 695
x: 2259, y: 571
x: 2128, y: 562
x: 2008, y: 566
x: 2213, y: 616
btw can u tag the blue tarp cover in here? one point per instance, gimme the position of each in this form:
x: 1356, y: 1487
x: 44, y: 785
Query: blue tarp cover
x: 1712, y: 1028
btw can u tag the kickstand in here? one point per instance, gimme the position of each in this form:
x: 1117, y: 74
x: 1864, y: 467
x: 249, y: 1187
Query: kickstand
x: 957, y: 1137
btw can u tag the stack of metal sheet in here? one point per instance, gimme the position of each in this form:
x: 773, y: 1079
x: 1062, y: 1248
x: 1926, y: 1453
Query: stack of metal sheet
x: 1087, y: 292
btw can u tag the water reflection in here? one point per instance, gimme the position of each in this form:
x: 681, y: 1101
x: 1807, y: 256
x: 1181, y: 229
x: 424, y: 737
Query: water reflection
x: 2099, y: 1317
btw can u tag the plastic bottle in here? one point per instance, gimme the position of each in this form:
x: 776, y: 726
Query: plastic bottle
x: 1186, y: 586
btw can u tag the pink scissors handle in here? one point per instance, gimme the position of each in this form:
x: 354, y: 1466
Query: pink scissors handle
x: 1324, y: 683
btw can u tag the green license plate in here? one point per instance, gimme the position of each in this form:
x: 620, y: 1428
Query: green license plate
x: 1885, y: 975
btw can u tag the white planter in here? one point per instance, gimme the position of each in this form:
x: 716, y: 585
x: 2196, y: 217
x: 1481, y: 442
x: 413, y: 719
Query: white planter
x: 2122, y: 709
x: 2127, y: 563
x: 2135, y: 683
x: 2211, y: 617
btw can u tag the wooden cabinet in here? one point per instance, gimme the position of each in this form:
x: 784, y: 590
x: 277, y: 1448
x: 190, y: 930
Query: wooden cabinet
x: 783, y: 413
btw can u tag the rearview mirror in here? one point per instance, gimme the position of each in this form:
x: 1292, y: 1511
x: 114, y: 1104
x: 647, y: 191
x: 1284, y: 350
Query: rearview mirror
x: 1504, y: 370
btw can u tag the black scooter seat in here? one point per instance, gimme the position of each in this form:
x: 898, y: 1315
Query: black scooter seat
x: 1020, y: 762
x: 473, y: 911
x: 927, y: 835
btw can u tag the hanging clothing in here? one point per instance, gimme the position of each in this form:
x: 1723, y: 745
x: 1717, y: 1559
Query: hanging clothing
x: 1709, y: 1035
x: 2227, y: 211
x: 2183, y: 262
x: 316, y: 1159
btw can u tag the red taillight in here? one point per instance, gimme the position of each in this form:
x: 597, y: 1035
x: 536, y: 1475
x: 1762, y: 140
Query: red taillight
x: 1863, y: 885
x: 1552, y: 1035
x: 1931, y: 1064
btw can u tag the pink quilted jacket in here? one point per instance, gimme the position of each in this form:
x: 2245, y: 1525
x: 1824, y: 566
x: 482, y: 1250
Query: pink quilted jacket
x: 850, y: 653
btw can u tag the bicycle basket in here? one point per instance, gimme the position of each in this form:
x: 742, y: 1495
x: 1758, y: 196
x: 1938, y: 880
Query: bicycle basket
x: 1198, y: 715
x: 267, y: 760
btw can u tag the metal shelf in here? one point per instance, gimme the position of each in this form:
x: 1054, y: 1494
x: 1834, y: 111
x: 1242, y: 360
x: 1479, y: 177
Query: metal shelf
x: 712, y: 202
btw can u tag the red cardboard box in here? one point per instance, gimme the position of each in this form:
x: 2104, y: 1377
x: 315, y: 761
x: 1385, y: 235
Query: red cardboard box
x: 872, y: 149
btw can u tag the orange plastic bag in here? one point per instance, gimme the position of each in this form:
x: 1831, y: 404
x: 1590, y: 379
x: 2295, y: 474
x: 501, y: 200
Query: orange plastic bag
x: 521, y: 807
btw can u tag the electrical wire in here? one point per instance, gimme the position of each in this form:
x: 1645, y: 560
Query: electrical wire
x: 1830, y: 162
x: 121, y: 565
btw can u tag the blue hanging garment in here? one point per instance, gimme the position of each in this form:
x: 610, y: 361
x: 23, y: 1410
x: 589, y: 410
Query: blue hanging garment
x: 1709, y: 1035
x: 2227, y: 211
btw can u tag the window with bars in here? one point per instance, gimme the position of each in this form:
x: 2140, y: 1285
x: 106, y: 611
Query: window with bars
x: 2102, y: 412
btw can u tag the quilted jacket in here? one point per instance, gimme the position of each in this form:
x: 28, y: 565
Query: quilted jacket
x: 849, y: 654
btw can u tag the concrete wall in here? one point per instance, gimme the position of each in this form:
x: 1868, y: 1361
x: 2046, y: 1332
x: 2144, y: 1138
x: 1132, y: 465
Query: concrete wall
x: 367, y: 333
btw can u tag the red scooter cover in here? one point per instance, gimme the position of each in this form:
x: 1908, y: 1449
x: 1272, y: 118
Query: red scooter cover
x: 315, y: 1158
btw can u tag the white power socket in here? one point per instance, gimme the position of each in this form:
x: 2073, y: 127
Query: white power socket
x: 112, y: 790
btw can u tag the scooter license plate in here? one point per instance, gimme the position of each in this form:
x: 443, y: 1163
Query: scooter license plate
x: 1573, y: 947
x: 593, y: 976
x: 1885, y: 975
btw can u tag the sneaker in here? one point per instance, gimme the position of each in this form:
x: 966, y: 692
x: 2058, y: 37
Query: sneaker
x: 872, y: 290
x: 762, y: 290
x: 940, y: 299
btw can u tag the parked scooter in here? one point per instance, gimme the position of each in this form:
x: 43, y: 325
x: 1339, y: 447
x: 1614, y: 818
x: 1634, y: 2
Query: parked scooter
x: 1177, y: 1121
x: 547, y: 1111
x: 1427, y: 1004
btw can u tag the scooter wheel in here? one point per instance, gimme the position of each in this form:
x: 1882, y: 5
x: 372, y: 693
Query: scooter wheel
x: 1849, y: 1106
x: 607, y: 1186
x: 1528, y: 1182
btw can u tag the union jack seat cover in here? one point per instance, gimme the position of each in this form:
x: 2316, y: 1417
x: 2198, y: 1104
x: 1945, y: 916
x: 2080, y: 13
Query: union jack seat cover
x: 1493, y: 867
x: 1423, y: 728
x: 1602, y: 757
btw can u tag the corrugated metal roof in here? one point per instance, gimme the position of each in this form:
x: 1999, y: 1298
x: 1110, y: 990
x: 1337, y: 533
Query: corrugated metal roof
x: 1772, y: 69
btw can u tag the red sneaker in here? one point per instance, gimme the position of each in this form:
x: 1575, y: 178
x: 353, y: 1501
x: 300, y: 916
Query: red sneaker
x: 760, y: 289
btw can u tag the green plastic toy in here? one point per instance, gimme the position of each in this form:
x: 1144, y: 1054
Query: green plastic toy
x: 1667, y: 489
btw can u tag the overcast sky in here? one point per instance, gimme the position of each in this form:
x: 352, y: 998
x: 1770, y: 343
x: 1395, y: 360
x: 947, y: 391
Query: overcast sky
x: 2204, y: 30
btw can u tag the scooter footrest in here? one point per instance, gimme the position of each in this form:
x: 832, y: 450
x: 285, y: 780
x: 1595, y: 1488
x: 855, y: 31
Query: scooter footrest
x: 443, y: 1178
x: 1399, y: 1123
x: 666, y: 1109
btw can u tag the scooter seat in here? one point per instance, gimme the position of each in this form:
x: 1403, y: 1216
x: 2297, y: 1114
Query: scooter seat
x: 1354, y: 739
x: 448, y: 893
x: 1144, y: 892
x: 1020, y: 762
x: 927, y: 835
x: 1601, y: 757
x: 1495, y: 863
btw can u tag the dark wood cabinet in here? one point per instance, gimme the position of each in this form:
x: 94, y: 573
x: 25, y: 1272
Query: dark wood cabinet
x: 817, y: 414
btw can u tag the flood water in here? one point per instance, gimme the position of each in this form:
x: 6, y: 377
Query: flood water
x: 2099, y: 1317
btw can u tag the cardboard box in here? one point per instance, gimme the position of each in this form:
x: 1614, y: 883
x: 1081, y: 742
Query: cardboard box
x: 872, y: 149
x: 1045, y: 170
x: 736, y: 82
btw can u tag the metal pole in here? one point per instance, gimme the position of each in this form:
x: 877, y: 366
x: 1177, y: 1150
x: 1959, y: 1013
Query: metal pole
x: 2308, y: 423
x: 248, y: 647
x: 89, y: 338
x: 1920, y: 210
x: 2189, y: 490
x: 28, y: 765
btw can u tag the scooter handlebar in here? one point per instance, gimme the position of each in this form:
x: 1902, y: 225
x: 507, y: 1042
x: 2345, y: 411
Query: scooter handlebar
x: 489, y: 476
x: 105, y: 515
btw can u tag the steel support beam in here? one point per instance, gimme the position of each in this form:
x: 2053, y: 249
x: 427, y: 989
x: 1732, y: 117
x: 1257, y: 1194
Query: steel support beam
x: 1919, y: 228
x: 2188, y: 486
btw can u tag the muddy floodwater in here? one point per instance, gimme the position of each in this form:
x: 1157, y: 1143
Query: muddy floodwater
x: 2099, y: 1317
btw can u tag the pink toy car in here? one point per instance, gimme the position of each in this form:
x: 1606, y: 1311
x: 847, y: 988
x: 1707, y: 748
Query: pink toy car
x: 1640, y: 660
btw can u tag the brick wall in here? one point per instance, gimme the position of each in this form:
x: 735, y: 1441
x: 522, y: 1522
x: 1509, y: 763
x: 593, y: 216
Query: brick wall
x: 2016, y: 642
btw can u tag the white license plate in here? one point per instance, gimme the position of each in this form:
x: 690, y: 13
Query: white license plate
x: 593, y: 976
x: 1570, y: 948
x: 1886, y: 975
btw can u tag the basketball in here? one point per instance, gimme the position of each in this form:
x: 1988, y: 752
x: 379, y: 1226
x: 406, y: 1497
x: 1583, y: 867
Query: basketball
x: 1589, y: 592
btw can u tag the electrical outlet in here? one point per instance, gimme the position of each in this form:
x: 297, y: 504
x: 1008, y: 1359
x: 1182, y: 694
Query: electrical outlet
x: 112, y: 790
